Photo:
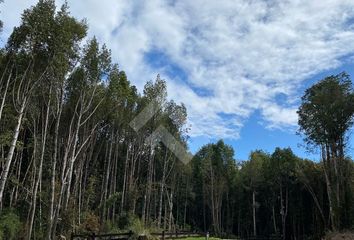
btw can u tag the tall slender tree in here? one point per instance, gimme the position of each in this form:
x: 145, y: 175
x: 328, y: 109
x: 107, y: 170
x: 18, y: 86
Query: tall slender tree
x: 325, y: 116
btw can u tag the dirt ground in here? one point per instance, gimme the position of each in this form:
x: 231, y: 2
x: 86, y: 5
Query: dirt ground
x: 340, y: 236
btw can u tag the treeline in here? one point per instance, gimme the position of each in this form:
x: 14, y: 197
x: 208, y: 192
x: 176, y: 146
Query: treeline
x: 68, y: 155
x: 280, y: 193
x: 276, y: 194
x: 71, y: 162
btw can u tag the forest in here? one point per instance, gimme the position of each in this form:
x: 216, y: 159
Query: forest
x: 71, y: 162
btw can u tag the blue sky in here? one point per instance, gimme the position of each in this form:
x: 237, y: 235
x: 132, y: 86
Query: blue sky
x: 240, y: 67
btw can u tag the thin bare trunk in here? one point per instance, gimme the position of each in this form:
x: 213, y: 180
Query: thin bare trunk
x: 5, y: 93
x: 254, y: 212
x: 38, y: 180
x: 54, y: 164
x: 105, y: 189
x: 170, y: 218
x: 274, y: 221
x: 124, y: 179
x: 329, y: 186
x: 162, y: 189
x: 10, y: 154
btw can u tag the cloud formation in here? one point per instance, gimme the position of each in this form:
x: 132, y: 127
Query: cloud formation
x: 224, y: 59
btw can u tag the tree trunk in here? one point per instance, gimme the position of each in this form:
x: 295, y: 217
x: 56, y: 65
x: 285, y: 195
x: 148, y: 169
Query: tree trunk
x: 54, y: 164
x: 5, y: 93
x: 254, y: 213
x: 274, y: 221
x: 10, y: 154
x: 38, y: 180
x: 124, y: 179
x: 105, y: 189
x: 329, y: 187
x: 162, y: 189
x: 170, y: 218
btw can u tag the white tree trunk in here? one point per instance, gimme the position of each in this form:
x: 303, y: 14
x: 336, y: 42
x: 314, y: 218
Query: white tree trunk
x: 38, y: 180
x: 4, y: 95
x: 54, y: 164
x: 10, y: 154
x: 254, y: 213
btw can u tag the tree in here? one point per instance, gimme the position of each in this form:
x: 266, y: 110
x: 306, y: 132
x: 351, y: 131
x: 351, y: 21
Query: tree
x: 31, y: 43
x: 253, y: 178
x: 325, y: 115
x: 283, y: 164
x: 71, y: 162
x: 214, y: 160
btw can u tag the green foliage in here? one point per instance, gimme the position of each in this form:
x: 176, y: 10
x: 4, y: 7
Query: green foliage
x: 130, y: 222
x: 252, y: 170
x: 102, y: 176
x: 110, y: 227
x: 138, y: 227
x: 325, y: 116
x: 214, y: 167
x: 91, y: 223
x: 110, y: 201
x: 327, y: 109
x: 9, y: 225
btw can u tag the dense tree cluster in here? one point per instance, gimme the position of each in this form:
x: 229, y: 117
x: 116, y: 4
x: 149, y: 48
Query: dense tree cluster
x: 67, y: 151
x: 276, y: 194
x: 71, y: 162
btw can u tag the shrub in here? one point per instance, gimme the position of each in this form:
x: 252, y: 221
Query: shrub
x: 91, y: 223
x: 9, y: 224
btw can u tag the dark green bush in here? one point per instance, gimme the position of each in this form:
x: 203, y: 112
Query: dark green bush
x: 9, y: 224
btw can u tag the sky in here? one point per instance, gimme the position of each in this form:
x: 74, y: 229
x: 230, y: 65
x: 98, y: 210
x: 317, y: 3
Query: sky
x: 240, y: 67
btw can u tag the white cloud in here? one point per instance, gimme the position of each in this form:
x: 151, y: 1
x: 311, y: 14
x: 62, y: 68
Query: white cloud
x: 11, y: 15
x: 243, y: 53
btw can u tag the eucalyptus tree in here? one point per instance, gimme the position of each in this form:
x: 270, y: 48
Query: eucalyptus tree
x: 325, y: 116
x: 310, y: 175
x: 120, y: 102
x: 253, y: 177
x: 155, y: 99
x: 83, y: 99
x: 70, y: 161
x: 69, y: 33
x: 212, y: 162
x: 174, y: 120
x: 31, y: 48
x: 38, y: 51
x: 281, y: 168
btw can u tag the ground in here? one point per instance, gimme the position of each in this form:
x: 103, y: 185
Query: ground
x: 340, y: 236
